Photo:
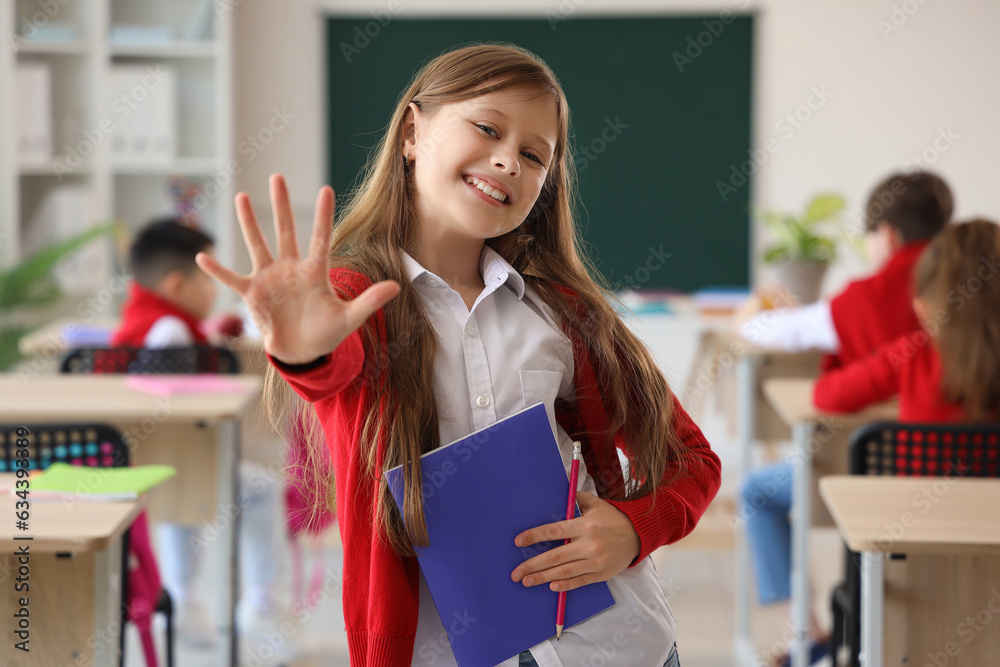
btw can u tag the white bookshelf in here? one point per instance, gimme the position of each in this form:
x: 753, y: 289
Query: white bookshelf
x: 82, y: 42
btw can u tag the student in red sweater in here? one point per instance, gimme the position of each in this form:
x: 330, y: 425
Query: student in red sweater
x: 167, y: 306
x: 903, y: 213
x: 458, y: 296
x: 949, y: 370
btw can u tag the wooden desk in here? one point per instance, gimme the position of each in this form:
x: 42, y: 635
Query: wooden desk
x: 73, y: 601
x: 811, y: 430
x: 951, y: 542
x: 197, y: 433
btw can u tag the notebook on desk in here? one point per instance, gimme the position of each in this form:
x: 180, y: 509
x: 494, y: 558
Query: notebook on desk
x: 480, y: 492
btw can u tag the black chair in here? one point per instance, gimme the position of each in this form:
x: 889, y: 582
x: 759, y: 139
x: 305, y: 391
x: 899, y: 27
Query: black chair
x: 184, y: 360
x: 906, y: 450
x: 95, y: 445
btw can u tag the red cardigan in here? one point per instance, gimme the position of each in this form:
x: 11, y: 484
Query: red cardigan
x: 381, y: 589
x: 909, y: 366
x: 877, y: 309
x: 141, y: 311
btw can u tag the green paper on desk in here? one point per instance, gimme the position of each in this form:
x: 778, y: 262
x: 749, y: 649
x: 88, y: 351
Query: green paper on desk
x: 65, y: 480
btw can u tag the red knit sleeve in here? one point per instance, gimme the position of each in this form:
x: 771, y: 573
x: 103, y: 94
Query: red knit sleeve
x: 869, y: 380
x: 678, y: 504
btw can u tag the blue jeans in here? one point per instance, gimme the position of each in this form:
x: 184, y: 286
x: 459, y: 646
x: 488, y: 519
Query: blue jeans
x: 525, y: 659
x: 766, y: 500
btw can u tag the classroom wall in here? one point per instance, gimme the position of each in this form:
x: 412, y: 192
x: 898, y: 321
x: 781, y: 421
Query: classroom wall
x: 888, y: 82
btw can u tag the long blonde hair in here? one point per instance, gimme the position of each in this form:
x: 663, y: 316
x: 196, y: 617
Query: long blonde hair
x: 949, y: 278
x: 376, y: 226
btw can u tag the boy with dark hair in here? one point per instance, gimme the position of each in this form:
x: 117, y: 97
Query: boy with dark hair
x: 170, y: 296
x: 904, y: 213
x: 167, y: 305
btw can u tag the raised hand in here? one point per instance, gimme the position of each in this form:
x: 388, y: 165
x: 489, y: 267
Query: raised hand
x: 290, y: 297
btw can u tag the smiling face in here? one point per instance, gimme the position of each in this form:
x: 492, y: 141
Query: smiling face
x: 500, y: 143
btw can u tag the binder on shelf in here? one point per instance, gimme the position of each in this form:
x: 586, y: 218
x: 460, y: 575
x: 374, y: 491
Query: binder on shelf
x: 143, y: 104
x: 33, y: 106
x: 479, y: 493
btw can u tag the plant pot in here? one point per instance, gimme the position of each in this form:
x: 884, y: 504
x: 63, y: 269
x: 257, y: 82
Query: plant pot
x: 803, y: 280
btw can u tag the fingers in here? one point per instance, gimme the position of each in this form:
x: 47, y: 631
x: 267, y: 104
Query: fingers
x: 284, y: 222
x: 360, y: 309
x: 227, y: 277
x: 322, y: 224
x: 259, y: 253
x: 559, y: 530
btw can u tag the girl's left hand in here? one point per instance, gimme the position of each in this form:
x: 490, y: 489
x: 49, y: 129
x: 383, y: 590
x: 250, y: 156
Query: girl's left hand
x: 604, y: 543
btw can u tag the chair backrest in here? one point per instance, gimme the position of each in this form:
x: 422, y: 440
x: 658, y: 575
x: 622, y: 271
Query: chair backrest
x: 180, y: 360
x: 926, y: 450
x: 90, y: 444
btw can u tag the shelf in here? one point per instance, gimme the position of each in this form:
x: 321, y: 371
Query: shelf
x: 178, y: 49
x: 73, y: 47
x: 197, y: 166
x: 49, y: 170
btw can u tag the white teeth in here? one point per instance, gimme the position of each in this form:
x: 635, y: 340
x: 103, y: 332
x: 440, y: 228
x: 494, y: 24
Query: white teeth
x: 496, y: 194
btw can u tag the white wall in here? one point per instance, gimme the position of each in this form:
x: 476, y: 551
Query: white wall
x: 890, y: 93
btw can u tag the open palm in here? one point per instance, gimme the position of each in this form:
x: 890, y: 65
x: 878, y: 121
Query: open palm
x: 290, y: 298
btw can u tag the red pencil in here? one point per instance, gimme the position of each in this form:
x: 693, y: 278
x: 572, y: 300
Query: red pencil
x: 574, y: 473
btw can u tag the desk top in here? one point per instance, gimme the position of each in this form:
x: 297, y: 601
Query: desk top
x: 937, y: 515
x: 49, y: 339
x: 792, y: 400
x: 59, y: 526
x: 107, y: 398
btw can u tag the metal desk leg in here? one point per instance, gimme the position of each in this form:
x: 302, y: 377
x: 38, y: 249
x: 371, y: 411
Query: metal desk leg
x: 746, y: 374
x: 872, y: 607
x: 107, y: 602
x: 228, y: 448
x: 801, y: 517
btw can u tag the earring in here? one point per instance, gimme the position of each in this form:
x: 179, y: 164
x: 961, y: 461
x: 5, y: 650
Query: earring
x: 406, y: 163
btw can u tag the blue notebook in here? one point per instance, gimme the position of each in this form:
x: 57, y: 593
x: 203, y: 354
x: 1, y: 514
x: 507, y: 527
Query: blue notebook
x: 480, y: 492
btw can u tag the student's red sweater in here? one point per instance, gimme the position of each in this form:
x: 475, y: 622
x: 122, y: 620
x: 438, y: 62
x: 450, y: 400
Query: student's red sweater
x: 380, y: 594
x: 875, y: 310
x: 141, y: 310
x: 909, y: 366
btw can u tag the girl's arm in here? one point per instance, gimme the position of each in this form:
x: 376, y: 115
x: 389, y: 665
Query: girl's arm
x: 872, y: 379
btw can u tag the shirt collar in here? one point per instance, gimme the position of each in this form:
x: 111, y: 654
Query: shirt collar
x: 492, y: 267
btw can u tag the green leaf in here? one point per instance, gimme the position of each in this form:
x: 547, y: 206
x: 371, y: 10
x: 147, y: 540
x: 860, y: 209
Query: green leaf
x: 31, y: 283
x: 823, y: 207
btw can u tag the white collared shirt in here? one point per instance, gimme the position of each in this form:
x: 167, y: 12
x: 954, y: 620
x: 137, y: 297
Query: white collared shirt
x: 505, y: 354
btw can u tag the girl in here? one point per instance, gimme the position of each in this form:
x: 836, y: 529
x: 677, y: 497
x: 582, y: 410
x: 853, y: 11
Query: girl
x: 950, y: 369
x: 457, y: 297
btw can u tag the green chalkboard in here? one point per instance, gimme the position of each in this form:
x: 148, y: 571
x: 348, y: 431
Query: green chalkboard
x: 660, y: 116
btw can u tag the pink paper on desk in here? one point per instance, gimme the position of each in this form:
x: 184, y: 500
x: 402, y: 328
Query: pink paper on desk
x: 160, y: 385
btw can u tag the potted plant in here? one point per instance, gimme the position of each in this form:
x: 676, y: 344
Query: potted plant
x: 801, y: 251
x: 31, y: 284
